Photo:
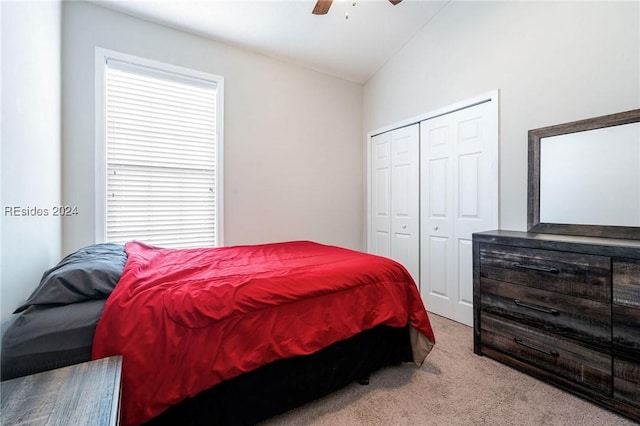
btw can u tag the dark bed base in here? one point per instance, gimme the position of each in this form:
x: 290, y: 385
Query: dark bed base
x: 285, y: 384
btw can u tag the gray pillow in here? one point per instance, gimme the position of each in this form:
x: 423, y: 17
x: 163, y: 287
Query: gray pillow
x: 87, y: 274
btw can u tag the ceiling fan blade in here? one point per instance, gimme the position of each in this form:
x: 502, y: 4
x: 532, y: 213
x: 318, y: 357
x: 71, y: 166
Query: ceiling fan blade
x: 322, y: 7
x: 394, y: 2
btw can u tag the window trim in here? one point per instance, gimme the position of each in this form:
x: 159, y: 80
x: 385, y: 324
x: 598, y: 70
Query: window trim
x: 101, y: 57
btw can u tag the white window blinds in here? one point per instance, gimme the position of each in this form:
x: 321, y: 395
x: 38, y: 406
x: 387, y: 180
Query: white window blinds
x: 161, y: 152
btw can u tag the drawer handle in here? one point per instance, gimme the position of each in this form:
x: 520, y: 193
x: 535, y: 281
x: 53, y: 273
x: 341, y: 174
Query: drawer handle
x: 549, y: 311
x: 549, y: 269
x: 550, y: 353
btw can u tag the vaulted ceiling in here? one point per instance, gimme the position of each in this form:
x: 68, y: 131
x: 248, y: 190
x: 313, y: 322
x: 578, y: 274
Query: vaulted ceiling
x: 352, y: 49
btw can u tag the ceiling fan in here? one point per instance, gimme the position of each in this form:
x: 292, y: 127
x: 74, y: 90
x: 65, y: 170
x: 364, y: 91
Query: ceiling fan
x: 322, y: 6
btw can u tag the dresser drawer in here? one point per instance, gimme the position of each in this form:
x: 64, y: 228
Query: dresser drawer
x: 576, y: 318
x: 573, y: 274
x: 626, y: 330
x: 583, y: 366
x: 626, y: 380
x: 626, y: 306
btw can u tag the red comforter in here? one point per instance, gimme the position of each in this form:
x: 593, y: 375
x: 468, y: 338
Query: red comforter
x: 185, y: 320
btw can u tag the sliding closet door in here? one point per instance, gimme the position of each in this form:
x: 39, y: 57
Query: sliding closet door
x: 395, y: 204
x: 459, y: 196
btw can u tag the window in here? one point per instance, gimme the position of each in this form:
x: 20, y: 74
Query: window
x: 159, y: 153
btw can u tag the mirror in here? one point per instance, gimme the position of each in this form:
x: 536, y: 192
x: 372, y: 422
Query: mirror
x: 584, y: 177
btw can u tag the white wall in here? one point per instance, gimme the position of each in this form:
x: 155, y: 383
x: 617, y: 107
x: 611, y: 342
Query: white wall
x: 292, y: 136
x: 553, y: 62
x: 30, y: 150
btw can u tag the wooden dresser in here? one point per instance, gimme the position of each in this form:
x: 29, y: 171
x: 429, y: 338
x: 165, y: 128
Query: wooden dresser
x: 563, y: 309
x: 81, y: 394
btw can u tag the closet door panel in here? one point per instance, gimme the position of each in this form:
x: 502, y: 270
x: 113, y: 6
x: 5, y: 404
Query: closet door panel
x: 459, y: 190
x: 405, y: 220
x: 380, y: 232
x: 436, y: 199
x: 394, y: 205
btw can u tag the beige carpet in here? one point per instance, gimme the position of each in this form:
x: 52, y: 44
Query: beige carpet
x: 453, y: 387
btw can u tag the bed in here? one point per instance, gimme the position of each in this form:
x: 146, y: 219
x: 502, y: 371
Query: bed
x: 229, y: 335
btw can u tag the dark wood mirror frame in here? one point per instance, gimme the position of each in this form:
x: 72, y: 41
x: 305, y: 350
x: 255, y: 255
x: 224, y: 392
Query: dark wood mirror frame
x: 533, y: 195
